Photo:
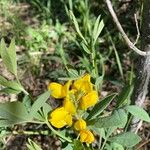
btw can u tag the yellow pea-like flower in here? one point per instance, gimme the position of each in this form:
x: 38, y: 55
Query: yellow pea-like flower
x: 88, y: 100
x: 58, y: 90
x: 69, y: 106
x: 80, y: 125
x: 60, y: 118
x: 83, y: 84
x: 86, y: 136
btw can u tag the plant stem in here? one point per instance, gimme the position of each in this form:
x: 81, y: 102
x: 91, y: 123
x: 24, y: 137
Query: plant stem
x: 94, y: 61
x: 31, y: 132
x: 103, y: 144
x: 57, y: 133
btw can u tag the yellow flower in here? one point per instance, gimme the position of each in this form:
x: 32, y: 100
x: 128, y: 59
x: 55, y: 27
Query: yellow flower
x: 80, y: 125
x: 58, y: 90
x: 83, y: 84
x: 88, y: 100
x: 86, y: 136
x: 60, y: 118
x: 69, y: 106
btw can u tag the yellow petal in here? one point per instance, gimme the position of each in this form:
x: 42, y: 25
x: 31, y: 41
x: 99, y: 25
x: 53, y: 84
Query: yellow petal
x: 86, y: 136
x: 56, y: 90
x: 89, y: 100
x: 83, y: 84
x: 69, y: 106
x: 66, y: 87
x: 80, y: 125
x: 60, y: 118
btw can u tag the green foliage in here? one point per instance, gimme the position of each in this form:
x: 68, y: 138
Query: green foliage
x: 99, y: 107
x: 124, y: 97
x: 12, y: 113
x: 39, y: 103
x: 32, y: 145
x: 67, y: 54
x: 138, y: 112
x: 117, y: 119
x: 78, y: 145
x: 98, y: 27
x: 9, y: 56
x: 9, y: 59
x: 127, y: 139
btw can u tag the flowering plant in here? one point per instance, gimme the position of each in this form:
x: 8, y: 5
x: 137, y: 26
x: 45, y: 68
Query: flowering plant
x: 76, y: 96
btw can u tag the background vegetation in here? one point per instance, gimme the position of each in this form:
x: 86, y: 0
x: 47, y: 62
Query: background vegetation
x: 54, y: 44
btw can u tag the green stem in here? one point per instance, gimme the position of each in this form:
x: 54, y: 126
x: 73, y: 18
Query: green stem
x: 31, y: 132
x: 94, y: 61
x: 103, y: 144
x: 128, y: 123
x: 23, y: 90
x: 100, y: 142
x: 57, y: 133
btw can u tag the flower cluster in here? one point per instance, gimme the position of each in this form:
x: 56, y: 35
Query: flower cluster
x: 77, y: 96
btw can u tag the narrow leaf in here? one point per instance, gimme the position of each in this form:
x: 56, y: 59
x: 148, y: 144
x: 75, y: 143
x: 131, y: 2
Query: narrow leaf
x: 124, y: 95
x: 100, y: 28
x: 32, y: 145
x: 85, y: 48
x: 39, y: 103
x: 77, y: 26
x: 96, y: 27
x: 99, y: 107
x: 12, y: 54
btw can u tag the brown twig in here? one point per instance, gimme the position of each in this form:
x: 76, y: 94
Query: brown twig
x: 142, y: 144
x: 138, y: 31
x: 125, y: 37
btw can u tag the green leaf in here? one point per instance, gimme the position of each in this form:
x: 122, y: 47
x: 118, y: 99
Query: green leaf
x: 39, y: 103
x: 85, y: 62
x: 77, y: 145
x: 138, y: 112
x: 96, y: 27
x: 99, y: 82
x: 9, y: 91
x: 127, y: 139
x: 42, y: 114
x: 99, y: 107
x: 12, y: 54
x: 118, y: 61
x: 13, y: 113
x: 117, y: 119
x: 99, y: 30
x: 116, y: 146
x: 46, y: 109
x: 124, y: 95
x: 11, y: 86
x: 73, y: 73
x: 77, y: 26
x: 67, y: 147
x: 3, y: 81
x: 85, y: 48
x: 9, y: 56
x: 98, y: 131
x: 15, y: 85
x: 32, y: 145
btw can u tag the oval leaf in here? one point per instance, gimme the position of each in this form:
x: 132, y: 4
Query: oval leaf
x: 138, y: 112
x: 127, y: 139
x: 117, y: 119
